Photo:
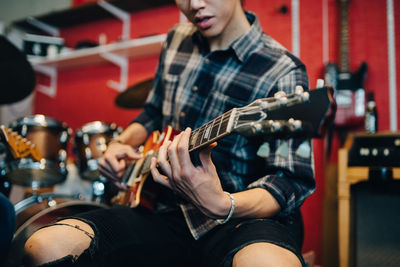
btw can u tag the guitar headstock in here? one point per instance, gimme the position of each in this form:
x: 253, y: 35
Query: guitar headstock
x: 19, y: 146
x: 301, y: 114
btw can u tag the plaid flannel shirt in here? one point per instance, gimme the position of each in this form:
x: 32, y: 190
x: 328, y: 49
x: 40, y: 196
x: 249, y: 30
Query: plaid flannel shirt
x: 194, y: 86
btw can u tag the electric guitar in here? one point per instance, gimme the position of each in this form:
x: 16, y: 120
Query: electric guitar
x: 302, y: 114
x: 19, y: 146
x: 349, y: 89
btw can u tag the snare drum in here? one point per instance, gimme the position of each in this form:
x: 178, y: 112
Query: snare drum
x: 90, y: 142
x: 38, y: 211
x: 51, y: 138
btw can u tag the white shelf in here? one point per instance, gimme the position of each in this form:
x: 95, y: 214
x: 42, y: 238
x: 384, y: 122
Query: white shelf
x: 116, y: 53
x: 132, y: 49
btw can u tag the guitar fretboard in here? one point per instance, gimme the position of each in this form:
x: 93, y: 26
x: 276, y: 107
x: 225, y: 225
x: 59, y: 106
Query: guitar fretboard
x: 344, y: 38
x: 210, y: 132
x: 200, y: 137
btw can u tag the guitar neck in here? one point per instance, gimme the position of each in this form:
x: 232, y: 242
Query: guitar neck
x: 344, y: 65
x: 211, y: 131
x: 200, y: 137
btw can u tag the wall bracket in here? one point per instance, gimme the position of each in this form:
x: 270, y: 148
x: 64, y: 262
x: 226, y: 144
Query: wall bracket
x: 122, y: 15
x: 123, y: 63
x: 50, y: 90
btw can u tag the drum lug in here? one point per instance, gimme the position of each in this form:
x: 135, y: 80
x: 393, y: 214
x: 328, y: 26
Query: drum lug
x: 64, y: 137
x: 88, y: 153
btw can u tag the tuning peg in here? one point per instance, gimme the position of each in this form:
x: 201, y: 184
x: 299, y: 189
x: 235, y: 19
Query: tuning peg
x: 275, y: 125
x: 304, y: 150
x: 296, y: 124
x: 299, y: 89
x: 280, y: 94
x: 264, y: 150
x: 306, y: 96
x: 283, y: 150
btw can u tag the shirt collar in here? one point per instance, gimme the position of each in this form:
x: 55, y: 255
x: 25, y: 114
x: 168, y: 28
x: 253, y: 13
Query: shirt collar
x: 241, y: 46
x: 244, y: 44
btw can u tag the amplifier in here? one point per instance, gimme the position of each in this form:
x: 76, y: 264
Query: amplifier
x: 374, y: 150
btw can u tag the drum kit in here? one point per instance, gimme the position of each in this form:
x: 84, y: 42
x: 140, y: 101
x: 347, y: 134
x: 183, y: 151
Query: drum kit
x: 34, y: 155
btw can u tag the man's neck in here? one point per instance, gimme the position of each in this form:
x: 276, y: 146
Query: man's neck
x: 238, y: 26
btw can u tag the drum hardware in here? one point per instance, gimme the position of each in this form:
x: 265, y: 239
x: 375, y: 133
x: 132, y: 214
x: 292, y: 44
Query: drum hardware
x: 90, y: 143
x: 134, y: 96
x: 50, y: 137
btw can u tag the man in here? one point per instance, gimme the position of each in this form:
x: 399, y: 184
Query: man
x: 222, y: 206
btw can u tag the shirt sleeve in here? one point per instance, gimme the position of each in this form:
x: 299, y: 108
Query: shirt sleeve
x: 151, y: 116
x: 290, y: 163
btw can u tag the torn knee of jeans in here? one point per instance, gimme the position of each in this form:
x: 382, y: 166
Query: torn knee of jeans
x: 93, y: 237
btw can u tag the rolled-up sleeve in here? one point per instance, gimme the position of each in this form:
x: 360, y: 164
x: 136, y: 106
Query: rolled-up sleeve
x: 290, y: 163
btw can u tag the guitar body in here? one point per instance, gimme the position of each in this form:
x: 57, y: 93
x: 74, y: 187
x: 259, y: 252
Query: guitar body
x: 142, y: 190
x: 349, y: 94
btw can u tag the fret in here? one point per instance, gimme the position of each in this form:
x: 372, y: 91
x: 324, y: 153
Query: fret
x: 216, y: 125
x: 201, y: 133
x: 207, y: 131
x: 224, y: 126
x: 222, y: 121
x: 193, y: 138
x: 147, y: 162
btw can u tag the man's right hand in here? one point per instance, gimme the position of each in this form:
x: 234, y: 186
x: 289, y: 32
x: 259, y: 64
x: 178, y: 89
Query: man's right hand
x: 114, y: 161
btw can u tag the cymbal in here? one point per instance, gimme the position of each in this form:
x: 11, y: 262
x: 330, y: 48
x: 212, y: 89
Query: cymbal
x: 17, y: 77
x: 135, y: 95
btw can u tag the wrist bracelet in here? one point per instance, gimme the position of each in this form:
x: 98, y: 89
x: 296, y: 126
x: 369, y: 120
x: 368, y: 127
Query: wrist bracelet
x: 230, y: 211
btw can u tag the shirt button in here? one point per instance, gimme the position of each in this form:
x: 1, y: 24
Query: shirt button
x: 207, y: 61
x: 182, y: 114
x: 195, y: 88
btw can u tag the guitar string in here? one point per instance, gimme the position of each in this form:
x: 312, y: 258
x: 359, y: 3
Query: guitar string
x: 224, y: 119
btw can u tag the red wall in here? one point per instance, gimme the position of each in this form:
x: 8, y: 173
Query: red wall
x: 83, y: 96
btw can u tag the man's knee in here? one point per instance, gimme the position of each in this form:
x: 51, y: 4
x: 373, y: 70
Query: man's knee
x: 265, y: 254
x: 66, y: 237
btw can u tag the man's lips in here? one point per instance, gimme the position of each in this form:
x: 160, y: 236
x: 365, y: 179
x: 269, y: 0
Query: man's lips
x: 203, y: 22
